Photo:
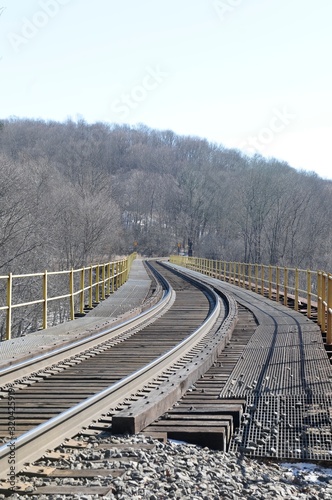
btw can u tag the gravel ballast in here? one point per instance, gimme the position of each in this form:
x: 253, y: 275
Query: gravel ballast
x: 188, y: 472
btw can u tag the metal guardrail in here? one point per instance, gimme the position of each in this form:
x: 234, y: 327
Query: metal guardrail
x: 83, y: 288
x: 32, y: 444
x: 314, y: 288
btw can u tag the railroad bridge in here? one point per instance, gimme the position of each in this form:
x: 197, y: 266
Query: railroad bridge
x: 229, y: 355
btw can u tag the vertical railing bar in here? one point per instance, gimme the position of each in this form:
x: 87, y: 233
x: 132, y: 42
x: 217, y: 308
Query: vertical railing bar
x: 103, y: 282
x: 9, y: 307
x: 71, y: 294
x: 113, y: 278
x: 308, y: 293
x: 256, y: 278
x: 285, y: 286
x: 296, y: 304
x: 329, y: 310
x: 277, y: 283
x: 45, y: 300
x: 262, y: 279
x: 319, y: 298
x: 90, y: 287
x: 249, y: 276
x: 270, y: 282
x: 97, y: 296
x: 323, y: 312
x: 108, y: 288
x: 82, y: 290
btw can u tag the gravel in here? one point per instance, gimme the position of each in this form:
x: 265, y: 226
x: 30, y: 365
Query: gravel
x: 188, y: 472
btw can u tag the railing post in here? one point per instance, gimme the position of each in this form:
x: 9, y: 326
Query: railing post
x: 329, y: 310
x: 71, y: 292
x: 323, y: 303
x: 127, y: 269
x: 82, y: 290
x: 108, y: 287
x: 103, y: 282
x: 9, y: 307
x: 123, y: 275
x: 97, y: 285
x: 296, y: 305
x: 122, y: 272
x: 285, y: 285
x: 90, y: 287
x: 249, y: 276
x: 319, y: 298
x: 308, y: 293
x: 262, y: 279
x: 116, y: 278
x: 118, y: 270
x: 277, y: 283
x: 270, y: 282
x: 113, y: 278
x: 256, y: 278
x: 45, y: 300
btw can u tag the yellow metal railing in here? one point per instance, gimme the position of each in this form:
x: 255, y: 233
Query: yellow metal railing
x: 289, y: 285
x: 83, y: 288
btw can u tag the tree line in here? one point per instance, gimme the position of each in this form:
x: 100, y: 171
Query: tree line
x: 73, y: 193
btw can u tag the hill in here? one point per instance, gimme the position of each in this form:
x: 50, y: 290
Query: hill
x: 75, y: 193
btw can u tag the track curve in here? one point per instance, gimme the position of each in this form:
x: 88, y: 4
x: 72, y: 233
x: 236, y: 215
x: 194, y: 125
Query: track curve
x: 44, y: 404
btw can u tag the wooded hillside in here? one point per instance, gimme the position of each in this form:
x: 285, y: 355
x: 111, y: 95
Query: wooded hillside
x: 74, y: 194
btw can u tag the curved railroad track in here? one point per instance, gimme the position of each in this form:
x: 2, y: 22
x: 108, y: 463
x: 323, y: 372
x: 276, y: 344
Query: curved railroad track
x: 58, y: 394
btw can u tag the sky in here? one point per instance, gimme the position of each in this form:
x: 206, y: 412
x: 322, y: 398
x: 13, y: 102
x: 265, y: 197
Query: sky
x: 249, y: 74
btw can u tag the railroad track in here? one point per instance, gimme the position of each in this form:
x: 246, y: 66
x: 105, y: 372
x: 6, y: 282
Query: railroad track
x: 66, y: 391
x: 285, y: 378
x: 264, y: 391
x: 204, y: 415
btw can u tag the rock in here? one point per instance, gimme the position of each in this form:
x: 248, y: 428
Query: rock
x: 189, y: 472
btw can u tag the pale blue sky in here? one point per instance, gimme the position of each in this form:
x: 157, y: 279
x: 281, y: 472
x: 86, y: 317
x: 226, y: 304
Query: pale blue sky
x: 254, y: 74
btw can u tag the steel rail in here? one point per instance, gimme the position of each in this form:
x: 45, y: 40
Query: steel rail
x: 31, y: 445
x: 57, y: 355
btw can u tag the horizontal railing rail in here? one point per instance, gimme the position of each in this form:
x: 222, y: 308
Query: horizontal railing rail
x: 82, y: 289
x: 289, y: 285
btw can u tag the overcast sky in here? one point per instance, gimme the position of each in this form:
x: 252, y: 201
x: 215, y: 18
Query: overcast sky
x: 251, y: 74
